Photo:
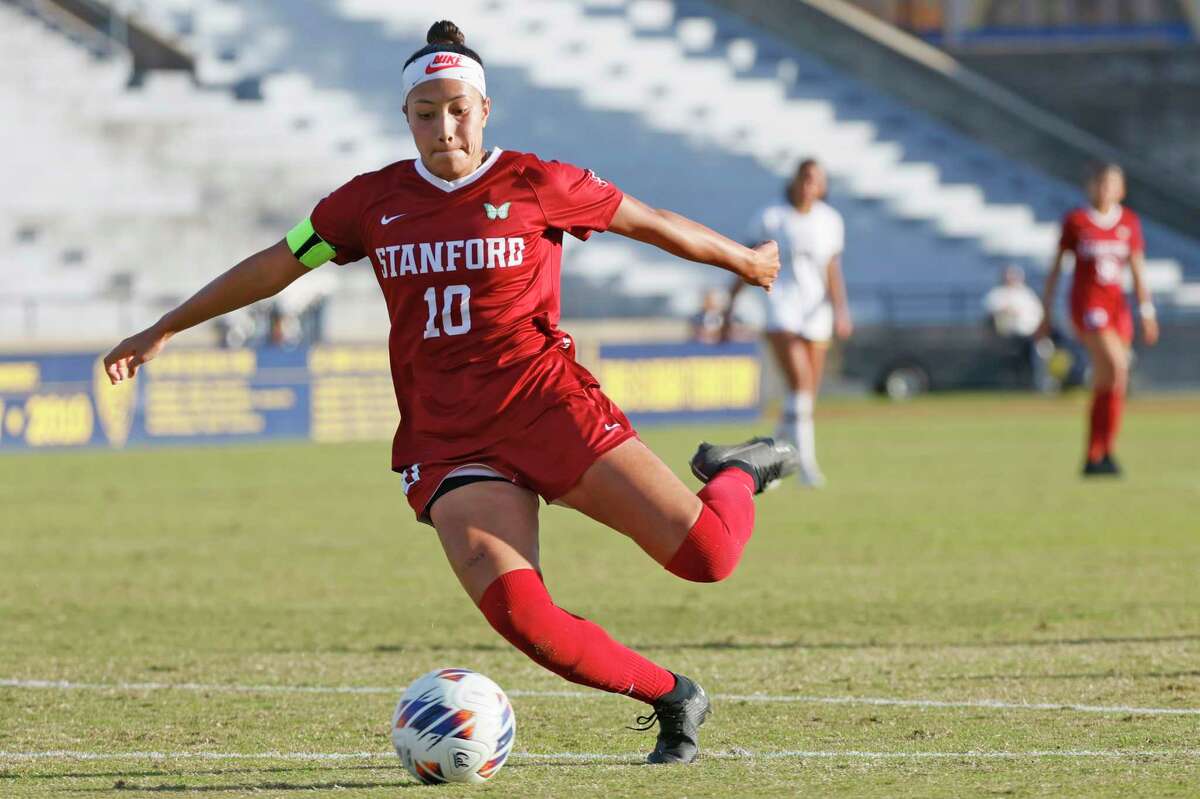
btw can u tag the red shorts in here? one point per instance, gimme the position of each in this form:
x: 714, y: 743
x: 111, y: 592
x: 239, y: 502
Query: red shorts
x: 548, y: 457
x: 1100, y: 312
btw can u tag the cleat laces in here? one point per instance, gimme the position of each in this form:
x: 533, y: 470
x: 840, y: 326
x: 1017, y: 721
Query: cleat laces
x: 646, y: 722
x: 666, y: 718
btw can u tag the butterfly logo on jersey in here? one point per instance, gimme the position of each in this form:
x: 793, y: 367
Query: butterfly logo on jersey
x: 496, y: 211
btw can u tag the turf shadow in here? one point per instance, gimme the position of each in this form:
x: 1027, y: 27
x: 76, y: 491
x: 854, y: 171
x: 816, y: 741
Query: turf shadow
x: 83, y: 775
x: 751, y: 646
x: 121, y: 785
x: 1083, y: 675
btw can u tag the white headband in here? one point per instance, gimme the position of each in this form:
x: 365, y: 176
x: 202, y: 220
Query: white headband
x: 444, y: 65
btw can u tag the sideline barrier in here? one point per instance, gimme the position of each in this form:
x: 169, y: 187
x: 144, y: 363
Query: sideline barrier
x: 322, y: 393
x: 671, y: 383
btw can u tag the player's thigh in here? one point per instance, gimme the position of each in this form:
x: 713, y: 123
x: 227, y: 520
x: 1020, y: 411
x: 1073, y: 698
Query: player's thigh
x: 815, y: 352
x: 631, y: 490
x: 1117, y: 352
x: 788, y: 350
x: 1105, y: 362
x: 487, y: 529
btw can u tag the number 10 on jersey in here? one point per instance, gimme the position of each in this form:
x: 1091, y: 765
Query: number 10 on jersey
x: 463, y: 294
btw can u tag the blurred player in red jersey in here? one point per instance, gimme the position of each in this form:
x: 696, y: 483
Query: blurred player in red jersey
x: 466, y: 245
x: 1103, y: 238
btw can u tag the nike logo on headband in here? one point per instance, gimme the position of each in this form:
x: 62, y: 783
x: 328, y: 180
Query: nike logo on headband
x: 441, y: 62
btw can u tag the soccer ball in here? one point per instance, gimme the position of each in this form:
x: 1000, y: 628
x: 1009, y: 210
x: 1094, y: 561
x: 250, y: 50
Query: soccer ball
x: 453, y: 725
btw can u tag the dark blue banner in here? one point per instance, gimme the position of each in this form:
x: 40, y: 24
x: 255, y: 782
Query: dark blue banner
x: 682, y: 382
x: 324, y: 393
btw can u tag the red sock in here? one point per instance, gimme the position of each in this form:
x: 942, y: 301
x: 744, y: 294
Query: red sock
x: 1098, y: 434
x: 714, y: 546
x: 518, y: 606
x: 1116, y: 407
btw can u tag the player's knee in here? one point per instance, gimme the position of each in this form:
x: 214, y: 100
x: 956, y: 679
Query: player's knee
x: 718, y: 570
x: 1120, y: 375
x: 1112, y: 378
x: 528, y: 626
x: 703, y: 567
x: 518, y: 607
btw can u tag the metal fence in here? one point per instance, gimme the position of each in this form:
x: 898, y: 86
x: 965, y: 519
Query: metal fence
x: 31, y: 320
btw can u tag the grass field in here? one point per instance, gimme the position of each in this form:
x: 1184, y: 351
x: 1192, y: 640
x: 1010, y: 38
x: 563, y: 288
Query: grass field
x: 957, y: 614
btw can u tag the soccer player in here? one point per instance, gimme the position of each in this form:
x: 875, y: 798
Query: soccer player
x: 1103, y: 238
x: 807, y: 305
x: 466, y: 243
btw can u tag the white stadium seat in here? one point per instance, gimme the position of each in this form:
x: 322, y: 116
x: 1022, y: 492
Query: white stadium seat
x: 679, y: 103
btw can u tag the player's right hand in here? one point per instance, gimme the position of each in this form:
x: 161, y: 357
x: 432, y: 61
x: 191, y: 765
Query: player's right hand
x: 764, y: 267
x: 1150, y: 331
x: 126, y: 357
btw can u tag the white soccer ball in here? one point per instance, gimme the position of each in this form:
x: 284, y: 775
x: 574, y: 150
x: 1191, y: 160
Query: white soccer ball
x: 453, y: 725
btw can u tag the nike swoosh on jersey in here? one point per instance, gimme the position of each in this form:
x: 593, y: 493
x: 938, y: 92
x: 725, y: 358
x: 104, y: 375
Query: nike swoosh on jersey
x: 432, y: 68
x: 387, y: 220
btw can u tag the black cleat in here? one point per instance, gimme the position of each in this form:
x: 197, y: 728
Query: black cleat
x: 679, y: 715
x: 766, y: 460
x: 1105, y: 467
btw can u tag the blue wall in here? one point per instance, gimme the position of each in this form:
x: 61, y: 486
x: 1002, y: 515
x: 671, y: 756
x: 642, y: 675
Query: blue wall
x: 324, y: 393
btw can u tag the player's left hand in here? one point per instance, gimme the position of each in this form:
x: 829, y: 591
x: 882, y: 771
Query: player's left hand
x: 1150, y: 331
x: 843, y: 327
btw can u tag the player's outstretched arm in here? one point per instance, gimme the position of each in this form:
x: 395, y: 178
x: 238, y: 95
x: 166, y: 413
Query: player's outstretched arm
x: 262, y: 275
x: 1048, y: 297
x: 685, y: 238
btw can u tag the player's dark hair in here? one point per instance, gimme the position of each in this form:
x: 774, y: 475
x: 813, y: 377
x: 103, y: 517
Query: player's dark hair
x: 445, y: 37
x: 804, y: 165
x: 1099, y: 169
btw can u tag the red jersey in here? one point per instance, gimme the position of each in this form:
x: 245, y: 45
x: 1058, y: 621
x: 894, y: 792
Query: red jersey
x: 470, y: 273
x: 1102, y: 246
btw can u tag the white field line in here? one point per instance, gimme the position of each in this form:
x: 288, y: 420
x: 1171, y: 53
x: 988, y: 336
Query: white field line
x: 631, y: 758
x: 987, y: 704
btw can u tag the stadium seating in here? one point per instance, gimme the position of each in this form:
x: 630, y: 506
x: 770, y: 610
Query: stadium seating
x: 680, y: 103
x: 137, y: 195
x: 925, y: 206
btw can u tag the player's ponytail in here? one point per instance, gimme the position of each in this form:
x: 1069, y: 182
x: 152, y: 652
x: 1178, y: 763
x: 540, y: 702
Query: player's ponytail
x: 445, y: 32
x: 445, y: 37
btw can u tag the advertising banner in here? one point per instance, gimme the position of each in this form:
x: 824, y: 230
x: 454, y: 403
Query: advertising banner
x: 322, y: 393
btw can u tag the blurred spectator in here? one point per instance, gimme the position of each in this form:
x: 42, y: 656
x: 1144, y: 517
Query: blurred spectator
x: 708, y: 324
x: 283, y: 327
x: 1013, y: 308
x: 1015, y: 312
x: 710, y: 319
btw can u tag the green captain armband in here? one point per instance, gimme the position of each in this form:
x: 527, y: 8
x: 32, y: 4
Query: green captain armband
x: 308, y: 247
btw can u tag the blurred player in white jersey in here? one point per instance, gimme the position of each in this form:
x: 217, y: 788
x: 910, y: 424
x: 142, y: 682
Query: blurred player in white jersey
x: 807, y: 305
